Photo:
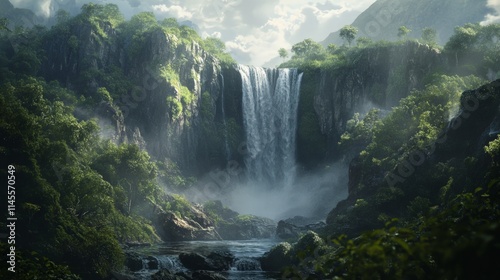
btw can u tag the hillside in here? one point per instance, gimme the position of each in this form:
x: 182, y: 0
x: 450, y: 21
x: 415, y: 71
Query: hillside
x: 382, y: 19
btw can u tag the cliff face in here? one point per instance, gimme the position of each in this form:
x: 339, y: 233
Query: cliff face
x: 375, y: 77
x: 160, y: 87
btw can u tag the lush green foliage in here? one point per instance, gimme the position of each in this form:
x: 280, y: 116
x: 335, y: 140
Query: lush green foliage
x: 475, y: 48
x: 403, y: 32
x: 348, y: 33
x: 459, y: 239
x: 216, y: 47
x: 429, y: 36
x: 417, y: 121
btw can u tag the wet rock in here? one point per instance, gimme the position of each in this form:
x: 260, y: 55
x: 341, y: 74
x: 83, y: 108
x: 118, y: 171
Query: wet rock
x: 247, y: 264
x: 221, y: 260
x: 277, y: 258
x: 151, y: 262
x: 215, y: 261
x: 177, y: 228
x: 308, y: 243
x: 166, y: 274
x: 195, y: 261
x: 207, y: 275
x: 133, y: 261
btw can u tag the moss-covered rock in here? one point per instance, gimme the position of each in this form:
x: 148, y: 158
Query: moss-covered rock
x: 277, y: 258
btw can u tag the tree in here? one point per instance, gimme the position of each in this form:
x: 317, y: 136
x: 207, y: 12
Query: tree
x: 170, y: 23
x: 306, y: 47
x: 348, y: 33
x: 403, y: 32
x: 429, y: 36
x: 3, y: 24
x: 463, y: 39
x: 62, y: 16
x: 331, y: 48
x: 363, y: 41
x: 283, y: 53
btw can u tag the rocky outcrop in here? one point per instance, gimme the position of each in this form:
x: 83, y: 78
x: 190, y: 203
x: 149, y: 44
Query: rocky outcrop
x: 176, y: 228
x: 290, y: 229
x: 285, y: 255
x: 233, y: 226
x: 246, y: 227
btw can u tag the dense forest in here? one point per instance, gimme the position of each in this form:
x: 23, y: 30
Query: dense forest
x: 423, y: 160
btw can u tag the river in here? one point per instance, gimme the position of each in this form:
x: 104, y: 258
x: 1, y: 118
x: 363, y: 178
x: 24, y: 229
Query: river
x: 246, y: 253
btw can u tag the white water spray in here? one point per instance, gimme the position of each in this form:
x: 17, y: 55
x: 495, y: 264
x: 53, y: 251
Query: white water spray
x: 270, y: 102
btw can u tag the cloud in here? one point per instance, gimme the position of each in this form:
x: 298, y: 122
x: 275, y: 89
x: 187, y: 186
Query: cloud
x: 173, y: 11
x: 493, y: 18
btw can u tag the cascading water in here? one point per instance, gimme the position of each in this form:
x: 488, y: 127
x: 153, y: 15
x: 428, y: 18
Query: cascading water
x: 270, y: 102
x: 226, y: 142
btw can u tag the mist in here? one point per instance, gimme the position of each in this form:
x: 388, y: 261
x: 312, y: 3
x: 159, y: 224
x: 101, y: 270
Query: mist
x: 312, y: 194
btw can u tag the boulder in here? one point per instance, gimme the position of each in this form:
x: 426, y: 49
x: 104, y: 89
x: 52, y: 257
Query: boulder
x: 307, y: 244
x: 221, y: 260
x: 277, y: 258
x: 151, y: 262
x: 287, y: 230
x: 297, y: 226
x: 177, y: 228
x: 166, y: 274
x: 215, y: 261
x: 207, y: 275
x: 247, y: 264
x: 133, y: 261
x: 195, y: 261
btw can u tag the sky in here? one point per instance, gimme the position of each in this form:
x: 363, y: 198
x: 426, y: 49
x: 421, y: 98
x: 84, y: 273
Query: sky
x: 253, y: 30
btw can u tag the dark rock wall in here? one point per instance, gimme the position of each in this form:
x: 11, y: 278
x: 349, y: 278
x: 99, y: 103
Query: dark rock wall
x: 375, y: 77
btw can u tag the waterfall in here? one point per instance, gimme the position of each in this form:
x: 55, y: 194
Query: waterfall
x: 224, y: 124
x: 270, y: 102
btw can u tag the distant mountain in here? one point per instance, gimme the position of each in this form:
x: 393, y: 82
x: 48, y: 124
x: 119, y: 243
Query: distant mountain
x: 382, y: 19
x: 18, y: 17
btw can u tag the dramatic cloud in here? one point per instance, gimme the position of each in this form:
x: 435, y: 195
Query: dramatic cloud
x: 173, y: 11
x: 493, y: 18
x: 253, y: 30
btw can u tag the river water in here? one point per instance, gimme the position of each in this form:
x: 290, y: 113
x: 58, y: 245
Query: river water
x: 246, y: 253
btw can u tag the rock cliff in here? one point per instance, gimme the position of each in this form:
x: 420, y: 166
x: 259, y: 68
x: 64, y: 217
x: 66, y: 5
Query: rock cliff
x: 376, y: 76
x: 166, y: 92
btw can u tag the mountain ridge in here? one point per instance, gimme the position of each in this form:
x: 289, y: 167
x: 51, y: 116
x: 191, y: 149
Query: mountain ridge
x: 383, y: 18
